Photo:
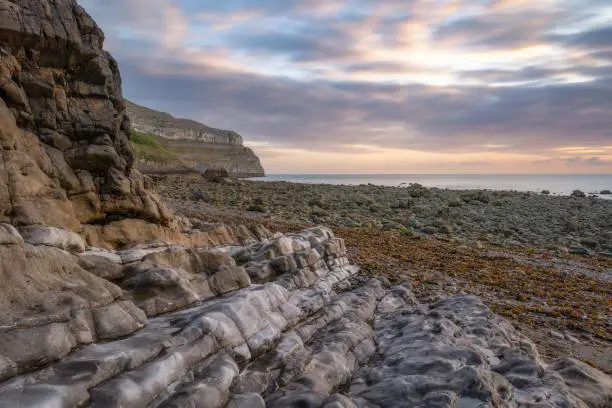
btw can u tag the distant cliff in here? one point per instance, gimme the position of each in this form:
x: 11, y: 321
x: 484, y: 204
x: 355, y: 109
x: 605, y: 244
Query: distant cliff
x: 165, y: 144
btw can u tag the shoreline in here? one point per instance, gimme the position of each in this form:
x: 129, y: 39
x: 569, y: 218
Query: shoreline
x: 506, y: 218
x: 370, y: 179
x: 560, y: 299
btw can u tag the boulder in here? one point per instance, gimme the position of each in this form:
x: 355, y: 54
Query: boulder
x: 54, y: 237
x: 215, y: 174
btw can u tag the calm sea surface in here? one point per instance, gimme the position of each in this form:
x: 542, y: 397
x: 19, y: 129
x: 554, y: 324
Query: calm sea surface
x: 556, y: 184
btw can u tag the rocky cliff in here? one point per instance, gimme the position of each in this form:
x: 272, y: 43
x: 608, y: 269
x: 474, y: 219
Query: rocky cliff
x: 66, y: 158
x: 67, y: 182
x: 187, y: 144
x: 109, y: 300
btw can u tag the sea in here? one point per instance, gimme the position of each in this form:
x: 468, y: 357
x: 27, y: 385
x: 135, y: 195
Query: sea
x: 557, y: 184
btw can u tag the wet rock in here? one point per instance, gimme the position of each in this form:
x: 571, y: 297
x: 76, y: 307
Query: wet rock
x: 251, y: 400
x: 198, y: 196
x: 579, y: 251
x: 310, y: 331
x: 557, y: 335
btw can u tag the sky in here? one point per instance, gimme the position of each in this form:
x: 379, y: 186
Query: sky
x: 379, y: 86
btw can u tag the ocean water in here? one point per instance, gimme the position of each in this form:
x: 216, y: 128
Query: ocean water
x: 556, y: 184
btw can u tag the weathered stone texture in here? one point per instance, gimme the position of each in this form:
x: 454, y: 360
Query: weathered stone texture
x: 65, y: 155
x: 310, y: 335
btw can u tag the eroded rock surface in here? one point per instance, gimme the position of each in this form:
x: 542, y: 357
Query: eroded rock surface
x: 65, y: 154
x: 107, y: 300
x: 309, y: 333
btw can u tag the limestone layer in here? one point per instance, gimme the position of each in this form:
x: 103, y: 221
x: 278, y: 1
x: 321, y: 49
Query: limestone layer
x: 65, y: 154
x: 190, y: 145
x: 283, y: 321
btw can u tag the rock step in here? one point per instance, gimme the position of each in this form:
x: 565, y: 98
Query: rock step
x: 310, y: 334
x: 244, y: 324
x: 136, y: 370
x: 332, y: 354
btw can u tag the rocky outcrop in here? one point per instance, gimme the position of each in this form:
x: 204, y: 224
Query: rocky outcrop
x: 215, y: 174
x: 163, y: 124
x: 193, y: 145
x: 284, y: 321
x: 107, y: 300
x: 65, y: 157
x: 58, y: 294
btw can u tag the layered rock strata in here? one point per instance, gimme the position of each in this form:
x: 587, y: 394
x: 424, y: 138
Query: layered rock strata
x: 278, y: 322
x: 107, y: 300
x: 58, y: 294
x: 65, y: 154
x: 195, y: 146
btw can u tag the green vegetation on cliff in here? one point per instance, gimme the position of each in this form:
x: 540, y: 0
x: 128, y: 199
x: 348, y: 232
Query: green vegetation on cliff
x: 149, y: 148
x: 160, y: 155
x: 155, y: 157
x: 163, y: 141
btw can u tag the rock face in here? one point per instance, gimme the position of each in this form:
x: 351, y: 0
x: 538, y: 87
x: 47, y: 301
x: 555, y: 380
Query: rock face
x: 208, y: 317
x: 65, y: 157
x: 196, y: 145
x: 150, y: 121
x: 283, y: 321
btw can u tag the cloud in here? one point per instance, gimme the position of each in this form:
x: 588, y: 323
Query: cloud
x: 456, y: 76
x: 578, y: 161
x: 402, y: 116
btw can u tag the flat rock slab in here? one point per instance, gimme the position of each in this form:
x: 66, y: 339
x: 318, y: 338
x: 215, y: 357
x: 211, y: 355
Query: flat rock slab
x: 310, y: 334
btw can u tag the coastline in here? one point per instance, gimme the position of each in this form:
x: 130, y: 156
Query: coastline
x: 556, y: 184
x: 500, y: 251
x: 506, y: 218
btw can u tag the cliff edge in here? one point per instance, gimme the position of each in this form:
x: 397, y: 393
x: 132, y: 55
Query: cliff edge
x: 65, y: 157
x: 165, y: 144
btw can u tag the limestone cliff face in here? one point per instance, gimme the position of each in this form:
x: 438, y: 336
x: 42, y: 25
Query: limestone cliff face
x: 67, y: 184
x: 65, y: 157
x: 195, y: 146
